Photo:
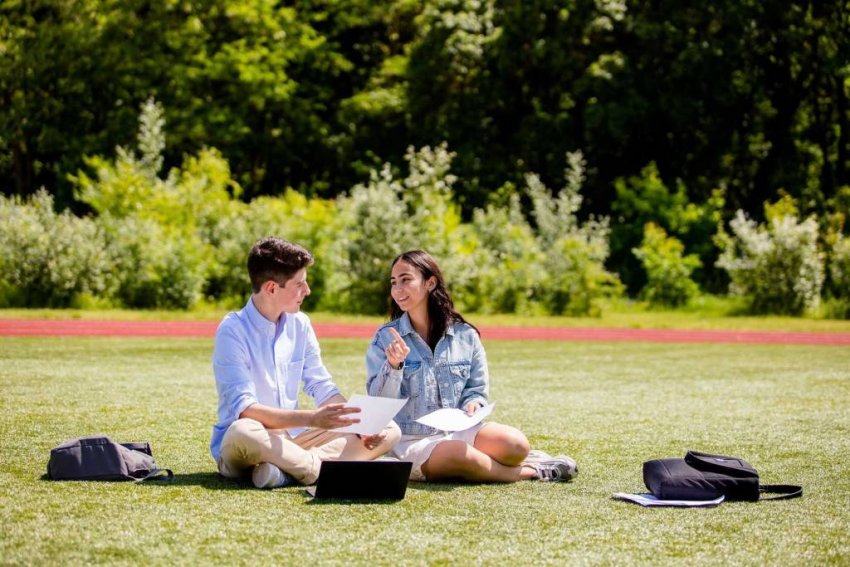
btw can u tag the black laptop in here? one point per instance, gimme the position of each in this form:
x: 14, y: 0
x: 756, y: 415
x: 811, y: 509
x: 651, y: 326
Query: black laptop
x: 362, y: 480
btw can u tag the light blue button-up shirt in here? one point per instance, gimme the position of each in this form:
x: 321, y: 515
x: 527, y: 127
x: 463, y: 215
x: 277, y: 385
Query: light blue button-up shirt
x: 258, y: 361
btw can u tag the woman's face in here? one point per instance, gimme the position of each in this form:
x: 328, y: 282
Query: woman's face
x: 408, y: 288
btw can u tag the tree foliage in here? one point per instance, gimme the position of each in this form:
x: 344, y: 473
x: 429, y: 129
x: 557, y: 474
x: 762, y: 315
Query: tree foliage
x: 735, y: 94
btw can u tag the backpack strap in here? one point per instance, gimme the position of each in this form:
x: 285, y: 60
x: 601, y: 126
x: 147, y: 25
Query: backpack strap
x: 157, y: 474
x: 783, y: 491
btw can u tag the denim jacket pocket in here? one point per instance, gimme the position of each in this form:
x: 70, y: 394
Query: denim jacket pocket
x: 460, y: 374
x: 411, y: 383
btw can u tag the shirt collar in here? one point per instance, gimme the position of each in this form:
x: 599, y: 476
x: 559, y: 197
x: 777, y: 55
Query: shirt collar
x: 256, y: 318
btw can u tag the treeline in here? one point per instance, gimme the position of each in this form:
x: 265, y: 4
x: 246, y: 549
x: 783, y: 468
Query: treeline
x: 744, y: 95
x: 174, y: 237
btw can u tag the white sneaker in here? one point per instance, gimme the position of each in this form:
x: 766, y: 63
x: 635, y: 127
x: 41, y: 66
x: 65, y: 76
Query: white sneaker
x: 266, y: 475
x: 559, y: 469
x: 536, y: 456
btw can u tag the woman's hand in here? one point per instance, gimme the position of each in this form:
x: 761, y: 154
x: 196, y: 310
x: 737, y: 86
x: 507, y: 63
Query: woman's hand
x: 397, y: 350
x: 472, y: 407
x: 372, y: 441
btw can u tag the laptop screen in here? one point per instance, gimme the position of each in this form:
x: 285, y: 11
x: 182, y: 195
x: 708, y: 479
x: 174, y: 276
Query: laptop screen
x: 363, y: 480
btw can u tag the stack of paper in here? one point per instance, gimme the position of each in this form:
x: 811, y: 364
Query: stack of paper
x: 651, y: 500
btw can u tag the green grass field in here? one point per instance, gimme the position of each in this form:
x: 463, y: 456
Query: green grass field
x: 611, y: 406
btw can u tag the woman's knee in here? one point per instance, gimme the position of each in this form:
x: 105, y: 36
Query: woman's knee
x: 505, y: 444
x: 517, y: 445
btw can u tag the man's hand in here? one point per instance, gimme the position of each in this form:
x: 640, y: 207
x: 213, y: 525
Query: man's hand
x: 331, y: 416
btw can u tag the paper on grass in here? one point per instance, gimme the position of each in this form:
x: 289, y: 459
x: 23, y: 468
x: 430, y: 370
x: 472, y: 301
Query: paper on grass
x: 450, y: 419
x: 375, y: 413
x: 652, y: 500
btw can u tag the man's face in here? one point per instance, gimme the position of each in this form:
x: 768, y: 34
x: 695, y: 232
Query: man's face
x: 293, y: 293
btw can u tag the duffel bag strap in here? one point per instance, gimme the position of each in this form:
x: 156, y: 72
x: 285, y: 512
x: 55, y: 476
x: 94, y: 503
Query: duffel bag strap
x: 782, y: 491
x: 157, y: 474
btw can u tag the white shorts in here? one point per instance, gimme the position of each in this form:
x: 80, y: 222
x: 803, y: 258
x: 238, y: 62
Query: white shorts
x: 417, y: 449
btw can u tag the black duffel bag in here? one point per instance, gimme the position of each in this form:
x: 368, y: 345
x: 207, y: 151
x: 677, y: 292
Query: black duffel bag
x: 100, y: 458
x: 703, y: 476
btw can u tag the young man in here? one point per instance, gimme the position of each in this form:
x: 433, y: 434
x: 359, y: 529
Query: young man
x: 261, y: 355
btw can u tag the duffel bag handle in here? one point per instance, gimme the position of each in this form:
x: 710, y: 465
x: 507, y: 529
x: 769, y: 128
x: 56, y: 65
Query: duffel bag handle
x: 782, y: 491
x: 157, y: 474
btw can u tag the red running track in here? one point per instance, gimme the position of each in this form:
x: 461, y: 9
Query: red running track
x: 206, y: 329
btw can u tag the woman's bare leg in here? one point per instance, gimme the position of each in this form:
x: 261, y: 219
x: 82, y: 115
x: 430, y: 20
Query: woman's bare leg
x: 457, y: 459
x: 503, y: 443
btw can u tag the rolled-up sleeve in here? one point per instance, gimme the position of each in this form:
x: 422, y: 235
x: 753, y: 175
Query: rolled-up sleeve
x: 477, y: 387
x: 231, y: 366
x: 381, y: 380
x: 317, y: 381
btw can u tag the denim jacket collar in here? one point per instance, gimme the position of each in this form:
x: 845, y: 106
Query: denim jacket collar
x: 405, y: 327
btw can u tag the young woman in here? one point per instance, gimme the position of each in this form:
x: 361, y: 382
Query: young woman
x: 431, y: 355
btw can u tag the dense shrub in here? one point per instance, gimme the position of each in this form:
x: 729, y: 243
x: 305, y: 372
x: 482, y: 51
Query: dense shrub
x: 645, y: 198
x: 48, y: 259
x: 309, y: 222
x: 152, y: 266
x: 573, y: 278
x: 776, y: 267
x: 160, y: 231
x: 668, y: 270
x: 507, y: 262
x: 385, y: 217
x: 839, y: 278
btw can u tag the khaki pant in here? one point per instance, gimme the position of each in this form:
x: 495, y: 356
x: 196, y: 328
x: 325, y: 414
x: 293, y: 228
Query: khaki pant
x: 247, y: 443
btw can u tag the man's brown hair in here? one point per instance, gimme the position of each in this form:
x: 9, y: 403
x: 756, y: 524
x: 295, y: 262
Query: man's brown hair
x: 275, y: 259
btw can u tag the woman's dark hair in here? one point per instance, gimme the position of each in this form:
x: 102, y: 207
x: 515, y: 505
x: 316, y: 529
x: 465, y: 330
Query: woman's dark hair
x: 441, y: 309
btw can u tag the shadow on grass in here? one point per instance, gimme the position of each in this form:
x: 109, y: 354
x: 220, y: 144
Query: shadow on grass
x: 211, y: 480
x: 412, y: 487
x: 214, y: 481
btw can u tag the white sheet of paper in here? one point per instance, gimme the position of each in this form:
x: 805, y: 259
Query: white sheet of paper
x: 652, y: 500
x: 375, y: 413
x: 451, y: 419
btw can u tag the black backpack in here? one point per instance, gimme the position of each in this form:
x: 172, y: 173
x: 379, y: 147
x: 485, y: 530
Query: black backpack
x: 703, y: 476
x: 100, y: 458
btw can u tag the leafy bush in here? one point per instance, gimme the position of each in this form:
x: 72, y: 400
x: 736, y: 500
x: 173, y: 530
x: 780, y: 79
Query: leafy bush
x: 573, y: 276
x: 668, y: 271
x: 159, y: 231
x: 152, y: 266
x: 839, y: 278
x: 309, y: 222
x: 645, y: 198
x: 170, y: 242
x: 48, y: 259
x: 385, y: 217
x: 506, y: 262
x: 777, y: 266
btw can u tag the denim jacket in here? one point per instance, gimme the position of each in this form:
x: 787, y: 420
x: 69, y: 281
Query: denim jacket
x: 450, y: 377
